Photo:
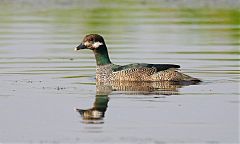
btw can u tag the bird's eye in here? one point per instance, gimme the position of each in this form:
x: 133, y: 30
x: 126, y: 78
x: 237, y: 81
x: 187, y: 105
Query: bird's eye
x: 87, y: 44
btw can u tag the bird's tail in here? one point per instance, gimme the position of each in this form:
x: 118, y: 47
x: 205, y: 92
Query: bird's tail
x: 189, y: 78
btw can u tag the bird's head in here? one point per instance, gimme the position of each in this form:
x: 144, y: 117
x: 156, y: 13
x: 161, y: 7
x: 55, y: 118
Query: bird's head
x: 92, y: 42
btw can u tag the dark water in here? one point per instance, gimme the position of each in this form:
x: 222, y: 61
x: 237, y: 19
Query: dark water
x: 43, y: 80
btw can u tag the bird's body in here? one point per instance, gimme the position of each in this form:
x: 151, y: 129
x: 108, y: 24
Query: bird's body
x: 106, y: 71
x: 140, y: 72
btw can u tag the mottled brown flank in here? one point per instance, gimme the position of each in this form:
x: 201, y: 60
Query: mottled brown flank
x: 143, y: 86
x: 134, y: 74
x: 104, y: 73
x: 93, y: 38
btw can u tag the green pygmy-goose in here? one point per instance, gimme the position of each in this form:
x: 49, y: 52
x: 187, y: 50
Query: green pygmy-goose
x: 106, y: 71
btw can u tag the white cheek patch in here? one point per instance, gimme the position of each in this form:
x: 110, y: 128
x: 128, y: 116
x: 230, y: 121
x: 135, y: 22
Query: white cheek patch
x: 96, y: 44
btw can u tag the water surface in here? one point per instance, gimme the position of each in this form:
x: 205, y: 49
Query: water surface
x: 43, y: 80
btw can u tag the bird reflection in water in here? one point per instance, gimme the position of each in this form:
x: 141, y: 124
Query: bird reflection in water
x: 97, y: 112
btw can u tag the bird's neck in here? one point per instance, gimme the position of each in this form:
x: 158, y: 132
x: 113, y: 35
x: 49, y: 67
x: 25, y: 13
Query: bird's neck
x: 101, y: 55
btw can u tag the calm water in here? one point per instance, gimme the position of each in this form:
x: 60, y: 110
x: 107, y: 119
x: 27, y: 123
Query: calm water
x: 43, y: 80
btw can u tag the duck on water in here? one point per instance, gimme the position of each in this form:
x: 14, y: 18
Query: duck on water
x: 106, y: 71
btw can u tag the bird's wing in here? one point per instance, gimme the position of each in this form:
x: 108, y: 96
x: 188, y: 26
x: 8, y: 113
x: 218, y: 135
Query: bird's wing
x: 161, y: 67
x: 158, y: 67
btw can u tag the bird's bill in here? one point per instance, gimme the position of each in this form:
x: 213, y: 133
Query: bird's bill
x: 81, y: 46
